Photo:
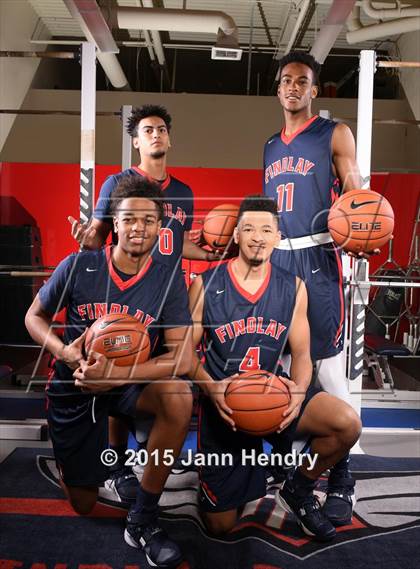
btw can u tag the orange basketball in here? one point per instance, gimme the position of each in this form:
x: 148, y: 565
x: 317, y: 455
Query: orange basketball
x: 361, y: 221
x: 258, y: 400
x: 119, y: 337
x: 219, y: 224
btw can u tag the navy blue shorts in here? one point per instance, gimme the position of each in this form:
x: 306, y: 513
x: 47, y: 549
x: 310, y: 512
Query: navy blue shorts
x: 321, y: 270
x: 227, y: 486
x: 78, y: 425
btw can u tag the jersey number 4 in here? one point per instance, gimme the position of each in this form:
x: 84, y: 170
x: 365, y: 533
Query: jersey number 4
x: 166, y: 241
x: 251, y: 360
x: 285, y: 197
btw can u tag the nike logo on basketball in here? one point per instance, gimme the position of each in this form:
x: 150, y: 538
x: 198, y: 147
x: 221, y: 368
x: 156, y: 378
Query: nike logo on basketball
x: 355, y: 205
x: 315, y: 271
x: 220, y: 291
x: 91, y: 270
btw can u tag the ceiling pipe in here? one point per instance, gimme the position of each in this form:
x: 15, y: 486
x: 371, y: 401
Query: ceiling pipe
x: 303, y: 11
x: 331, y: 29
x: 384, y: 13
x: 93, y: 25
x: 157, y: 42
x: 353, y: 22
x: 202, y: 21
x: 392, y: 28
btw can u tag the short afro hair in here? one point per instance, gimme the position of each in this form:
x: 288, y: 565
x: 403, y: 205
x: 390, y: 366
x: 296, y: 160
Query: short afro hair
x: 140, y: 113
x: 137, y: 187
x: 304, y: 58
x: 258, y: 203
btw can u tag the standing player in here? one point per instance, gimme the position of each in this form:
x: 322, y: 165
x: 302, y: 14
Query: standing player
x: 120, y: 279
x: 245, y: 312
x: 149, y: 126
x: 306, y: 166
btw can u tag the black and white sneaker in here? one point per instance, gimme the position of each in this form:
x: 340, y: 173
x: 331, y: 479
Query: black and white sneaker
x: 307, y: 510
x: 123, y: 483
x: 340, y: 501
x: 158, y: 548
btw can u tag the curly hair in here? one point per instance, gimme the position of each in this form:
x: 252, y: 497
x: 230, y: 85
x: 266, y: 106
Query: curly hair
x: 137, y: 187
x: 143, y: 112
x: 301, y: 57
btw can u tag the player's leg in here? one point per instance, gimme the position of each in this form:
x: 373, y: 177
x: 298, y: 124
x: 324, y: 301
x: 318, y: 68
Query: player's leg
x: 333, y: 427
x: 122, y: 481
x: 78, y: 430
x: 226, y: 480
x: 170, y: 402
x: 326, y: 319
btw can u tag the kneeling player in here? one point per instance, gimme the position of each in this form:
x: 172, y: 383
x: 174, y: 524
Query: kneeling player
x: 120, y: 279
x: 225, y: 304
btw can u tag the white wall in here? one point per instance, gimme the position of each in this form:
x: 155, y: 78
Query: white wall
x: 409, y: 50
x: 17, y: 23
x: 221, y: 131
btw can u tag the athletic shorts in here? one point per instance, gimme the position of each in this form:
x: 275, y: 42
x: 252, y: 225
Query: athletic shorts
x: 78, y: 425
x: 226, y: 486
x: 321, y: 270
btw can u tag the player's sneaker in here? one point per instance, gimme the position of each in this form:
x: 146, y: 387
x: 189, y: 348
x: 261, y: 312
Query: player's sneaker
x: 338, y: 506
x: 123, y: 483
x: 158, y: 548
x: 308, y: 511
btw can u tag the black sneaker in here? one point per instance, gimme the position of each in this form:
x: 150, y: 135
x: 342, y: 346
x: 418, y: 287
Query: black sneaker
x: 308, y: 511
x: 158, y: 548
x: 338, y: 506
x: 123, y: 483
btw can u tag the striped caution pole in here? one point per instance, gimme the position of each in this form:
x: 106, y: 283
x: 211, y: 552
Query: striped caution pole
x: 87, y: 144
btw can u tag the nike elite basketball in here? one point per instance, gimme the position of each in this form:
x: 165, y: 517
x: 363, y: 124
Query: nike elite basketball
x: 219, y: 225
x: 361, y: 221
x: 119, y: 337
x: 258, y: 400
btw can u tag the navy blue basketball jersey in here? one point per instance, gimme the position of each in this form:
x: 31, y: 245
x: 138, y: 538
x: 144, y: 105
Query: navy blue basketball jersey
x: 244, y: 332
x: 89, y: 286
x: 178, y: 212
x: 299, y: 176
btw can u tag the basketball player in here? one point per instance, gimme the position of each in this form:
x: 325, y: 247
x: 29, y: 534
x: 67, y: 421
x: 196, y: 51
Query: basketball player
x: 149, y: 126
x: 120, y: 279
x: 244, y: 312
x: 306, y: 167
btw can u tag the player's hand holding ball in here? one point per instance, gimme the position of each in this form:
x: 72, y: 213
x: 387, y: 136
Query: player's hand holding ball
x: 297, y: 396
x: 99, y: 374
x: 216, y: 391
x: 71, y: 354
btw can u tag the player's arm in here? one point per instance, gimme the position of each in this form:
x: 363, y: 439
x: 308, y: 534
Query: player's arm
x: 90, y: 235
x: 39, y: 324
x: 344, y: 158
x: 301, y: 368
x: 193, y: 252
x: 213, y: 389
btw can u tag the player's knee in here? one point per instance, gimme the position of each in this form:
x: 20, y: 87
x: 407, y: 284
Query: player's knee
x: 349, y: 426
x: 176, y: 403
x: 218, y: 526
x: 83, y: 507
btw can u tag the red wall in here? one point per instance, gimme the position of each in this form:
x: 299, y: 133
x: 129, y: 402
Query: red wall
x: 48, y: 193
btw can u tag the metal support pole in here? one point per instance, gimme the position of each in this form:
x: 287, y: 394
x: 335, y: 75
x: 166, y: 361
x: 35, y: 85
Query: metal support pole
x: 365, y: 114
x: 359, y: 299
x: 359, y: 296
x: 126, y: 111
x: 87, y: 143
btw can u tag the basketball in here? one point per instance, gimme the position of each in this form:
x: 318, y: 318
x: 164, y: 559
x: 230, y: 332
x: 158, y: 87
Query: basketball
x: 361, y: 221
x: 119, y: 337
x: 258, y: 400
x: 219, y: 224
